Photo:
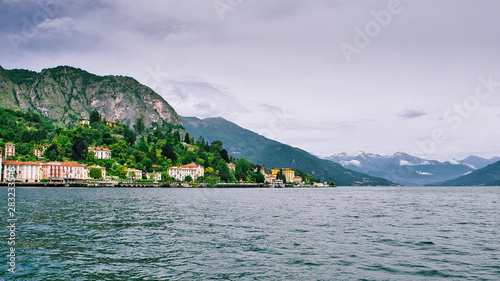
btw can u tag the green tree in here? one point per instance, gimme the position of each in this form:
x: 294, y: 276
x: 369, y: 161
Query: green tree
x: 187, y: 138
x: 188, y: 179
x: 147, y: 163
x: 90, y: 157
x: 95, y: 117
x: 224, y: 155
x: 95, y: 173
x: 129, y: 136
x: 241, y: 169
x: 142, y: 145
x: 259, y: 178
x: 139, y: 126
x: 223, y: 171
x: 78, y: 150
x: 168, y: 152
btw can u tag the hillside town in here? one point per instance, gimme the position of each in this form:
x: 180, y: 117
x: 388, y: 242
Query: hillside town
x: 94, y: 150
x: 70, y: 172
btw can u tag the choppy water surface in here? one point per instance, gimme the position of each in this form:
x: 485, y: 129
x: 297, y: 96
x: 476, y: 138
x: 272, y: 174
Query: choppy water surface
x: 374, y: 233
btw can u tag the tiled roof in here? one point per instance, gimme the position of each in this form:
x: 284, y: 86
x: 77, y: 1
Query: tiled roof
x: 98, y: 148
x: 12, y: 162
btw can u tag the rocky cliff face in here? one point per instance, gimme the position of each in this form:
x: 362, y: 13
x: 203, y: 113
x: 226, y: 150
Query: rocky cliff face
x: 64, y: 93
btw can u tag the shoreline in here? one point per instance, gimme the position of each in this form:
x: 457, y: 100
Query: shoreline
x: 148, y: 185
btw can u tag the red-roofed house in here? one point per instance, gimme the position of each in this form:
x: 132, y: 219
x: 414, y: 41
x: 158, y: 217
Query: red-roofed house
x: 64, y: 171
x: 21, y: 171
x: 100, y: 152
x: 180, y: 173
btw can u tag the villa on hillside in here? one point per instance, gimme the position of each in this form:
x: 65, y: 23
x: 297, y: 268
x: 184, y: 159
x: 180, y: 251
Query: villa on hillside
x: 10, y: 149
x: 38, y: 150
x: 180, y: 173
x: 111, y: 123
x: 100, y: 152
x: 85, y: 122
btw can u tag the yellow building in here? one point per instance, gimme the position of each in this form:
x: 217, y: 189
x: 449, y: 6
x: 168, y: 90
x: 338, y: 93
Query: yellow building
x: 289, y: 175
x: 275, y: 171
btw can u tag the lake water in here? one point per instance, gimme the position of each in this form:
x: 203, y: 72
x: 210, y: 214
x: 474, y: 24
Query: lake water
x: 373, y: 233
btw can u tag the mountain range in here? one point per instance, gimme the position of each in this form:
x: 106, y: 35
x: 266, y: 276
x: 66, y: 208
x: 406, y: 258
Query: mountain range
x: 63, y: 93
x: 241, y: 142
x: 489, y: 175
x: 406, y: 169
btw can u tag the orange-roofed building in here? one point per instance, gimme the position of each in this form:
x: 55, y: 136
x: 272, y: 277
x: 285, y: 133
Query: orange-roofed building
x: 100, y: 152
x: 56, y: 171
x: 21, y: 171
x: 180, y: 173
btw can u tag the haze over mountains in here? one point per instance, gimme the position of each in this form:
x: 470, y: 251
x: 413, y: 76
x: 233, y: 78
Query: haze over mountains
x: 406, y: 169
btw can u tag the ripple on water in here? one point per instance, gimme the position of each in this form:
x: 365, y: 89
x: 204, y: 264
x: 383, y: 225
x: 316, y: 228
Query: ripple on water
x: 383, y: 233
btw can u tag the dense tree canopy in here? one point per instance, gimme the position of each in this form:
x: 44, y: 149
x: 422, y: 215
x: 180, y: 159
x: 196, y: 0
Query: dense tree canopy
x: 156, y: 150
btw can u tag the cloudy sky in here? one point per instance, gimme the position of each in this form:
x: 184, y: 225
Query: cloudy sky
x: 326, y: 76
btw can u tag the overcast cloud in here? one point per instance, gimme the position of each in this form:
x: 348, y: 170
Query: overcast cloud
x: 281, y: 67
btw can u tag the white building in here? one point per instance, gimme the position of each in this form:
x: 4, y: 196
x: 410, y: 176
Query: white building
x: 22, y: 171
x: 180, y: 173
x: 100, y: 152
x: 154, y: 176
x: 134, y: 174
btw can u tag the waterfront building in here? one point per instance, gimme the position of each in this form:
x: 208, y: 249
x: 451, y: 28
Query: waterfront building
x: 275, y: 171
x: 60, y: 171
x: 180, y: 173
x: 100, y: 152
x: 22, y: 171
x: 103, y: 170
x: 269, y: 178
x: 289, y: 174
x: 134, y: 174
x: 231, y: 167
x: 298, y: 180
x: 154, y: 176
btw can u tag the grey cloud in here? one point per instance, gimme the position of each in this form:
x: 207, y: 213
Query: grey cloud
x: 411, y: 114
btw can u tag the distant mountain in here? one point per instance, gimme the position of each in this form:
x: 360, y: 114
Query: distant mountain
x: 63, y: 93
x: 258, y: 149
x: 406, y: 169
x: 489, y: 175
x: 476, y: 162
